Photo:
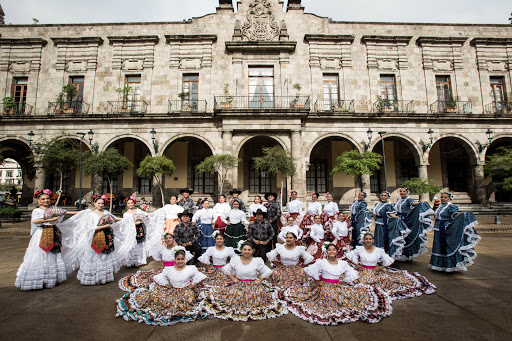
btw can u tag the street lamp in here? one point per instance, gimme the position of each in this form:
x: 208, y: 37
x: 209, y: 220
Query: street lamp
x: 80, y: 192
x: 369, y: 133
x: 155, y: 142
x: 91, y: 136
x: 30, y: 136
x: 482, y: 147
x: 381, y: 133
x: 426, y: 147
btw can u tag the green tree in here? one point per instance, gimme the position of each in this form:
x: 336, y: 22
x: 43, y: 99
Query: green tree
x: 274, y: 160
x: 218, y: 163
x: 108, y: 162
x: 57, y: 155
x: 499, y: 166
x: 421, y: 186
x: 356, y: 164
x: 156, y: 167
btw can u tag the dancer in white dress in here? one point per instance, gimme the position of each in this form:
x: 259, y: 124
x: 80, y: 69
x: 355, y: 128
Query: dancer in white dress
x: 214, y: 259
x: 294, y: 208
x: 220, y: 210
x: 47, y: 260
x: 254, y: 207
x: 290, y: 227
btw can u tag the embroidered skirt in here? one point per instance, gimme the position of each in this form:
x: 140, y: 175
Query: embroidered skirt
x: 139, y: 279
x: 159, y: 305
x: 206, y: 240
x: 216, y: 278
x: 234, y: 233
x: 242, y: 301
x: 284, y: 277
x: 315, y: 249
x: 333, y: 303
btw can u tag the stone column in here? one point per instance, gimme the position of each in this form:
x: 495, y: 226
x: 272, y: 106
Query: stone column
x: 423, y: 174
x: 299, y: 179
x: 227, y: 148
x: 480, y: 195
x: 38, y: 184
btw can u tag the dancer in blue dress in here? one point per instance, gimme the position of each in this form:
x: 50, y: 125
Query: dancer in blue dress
x: 390, y: 231
x: 416, y: 216
x: 360, y: 218
x: 204, y: 218
x: 454, y: 237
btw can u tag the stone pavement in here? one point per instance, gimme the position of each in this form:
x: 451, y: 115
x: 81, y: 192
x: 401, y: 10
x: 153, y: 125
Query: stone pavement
x: 472, y: 305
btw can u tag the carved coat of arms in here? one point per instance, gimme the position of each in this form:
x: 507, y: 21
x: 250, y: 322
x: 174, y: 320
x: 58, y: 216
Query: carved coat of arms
x: 260, y: 24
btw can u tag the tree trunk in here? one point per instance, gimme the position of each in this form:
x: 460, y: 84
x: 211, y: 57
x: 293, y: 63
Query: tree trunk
x: 97, y: 184
x: 110, y: 186
x: 60, y: 190
x: 161, y: 190
x: 282, y: 187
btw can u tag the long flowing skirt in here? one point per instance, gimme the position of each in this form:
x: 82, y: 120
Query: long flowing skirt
x: 343, y: 246
x: 397, y: 231
x: 98, y: 268
x: 206, y: 240
x: 216, y: 278
x: 398, y: 284
x: 234, y: 233
x: 361, y: 223
x: 333, y: 303
x: 461, y: 239
x: 159, y: 305
x: 40, y: 269
x: 327, y: 224
x: 242, y: 301
x: 420, y: 224
x: 137, y: 256
x: 284, y: 277
x: 315, y: 249
x: 141, y: 278
x: 170, y: 224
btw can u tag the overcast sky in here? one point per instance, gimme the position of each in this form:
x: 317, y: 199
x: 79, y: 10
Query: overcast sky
x: 109, y: 11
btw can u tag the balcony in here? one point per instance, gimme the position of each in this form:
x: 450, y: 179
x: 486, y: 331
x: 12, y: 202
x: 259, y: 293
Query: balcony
x: 499, y: 108
x: 385, y: 106
x: 290, y: 103
x: 186, y: 107
x: 16, y: 109
x: 335, y: 106
x: 457, y: 107
x: 134, y: 108
x: 69, y: 108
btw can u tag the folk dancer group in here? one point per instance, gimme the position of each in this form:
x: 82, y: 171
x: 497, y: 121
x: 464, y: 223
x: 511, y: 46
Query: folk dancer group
x: 319, y: 273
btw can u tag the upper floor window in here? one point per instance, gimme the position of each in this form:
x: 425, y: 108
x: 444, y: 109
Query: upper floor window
x: 261, y: 87
x: 134, y: 82
x: 191, y: 89
x: 498, y: 89
x: 444, y: 94
x: 388, y: 90
x: 331, y: 91
x: 78, y: 83
x: 20, y: 89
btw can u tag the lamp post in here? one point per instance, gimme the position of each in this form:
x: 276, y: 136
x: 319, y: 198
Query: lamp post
x: 381, y: 133
x: 30, y: 136
x: 426, y: 147
x: 482, y: 147
x: 367, y: 146
x: 80, y: 191
x: 155, y: 143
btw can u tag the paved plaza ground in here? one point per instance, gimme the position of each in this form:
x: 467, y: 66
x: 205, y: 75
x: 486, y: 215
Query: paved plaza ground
x: 472, y: 305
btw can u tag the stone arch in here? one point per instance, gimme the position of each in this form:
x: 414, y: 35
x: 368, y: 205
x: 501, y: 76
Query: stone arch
x: 343, y: 136
x: 124, y: 136
x: 185, y: 135
x: 408, y: 140
x: 468, y: 145
x: 256, y: 135
x: 18, y: 149
x: 493, y: 183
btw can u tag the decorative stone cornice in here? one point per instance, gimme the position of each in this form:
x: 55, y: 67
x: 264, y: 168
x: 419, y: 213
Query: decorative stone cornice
x: 491, y: 41
x: 191, y: 51
x: 23, y: 41
x: 133, y: 53
x: 386, y: 53
x: 386, y: 39
x: 183, y: 38
x: 259, y: 46
x: 335, y: 38
x: 133, y: 39
x: 77, y: 40
x: 441, y: 40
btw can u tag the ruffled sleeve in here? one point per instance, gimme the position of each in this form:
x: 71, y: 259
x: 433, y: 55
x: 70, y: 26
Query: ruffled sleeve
x: 350, y: 274
x: 229, y: 269
x: 315, y: 270
x: 272, y: 255
x: 231, y: 253
x: 388, y: 208
x: 205, y: 257
x: 157, y: 254
x: 263, y: 270
x: 384, y: 257
x: 306, y: 256
x: 453, y: 210
x: 161, y: 279
x: 196, y: 276
x: 353, y: 255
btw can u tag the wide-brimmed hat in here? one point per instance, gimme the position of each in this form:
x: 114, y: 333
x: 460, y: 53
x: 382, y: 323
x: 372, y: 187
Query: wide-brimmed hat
x: 270, y: 193
x: 260, y: 211
x: 186, y: 212
x: 235, y: 190
x: 187, y: 190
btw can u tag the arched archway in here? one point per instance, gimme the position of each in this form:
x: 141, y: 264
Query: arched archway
x: 451, y: 163
x: 186, y: 153
x: 18, y: 151
x: 493, y: 184
x: 402, y: 162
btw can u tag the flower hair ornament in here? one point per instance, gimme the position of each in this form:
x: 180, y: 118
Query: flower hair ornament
x: 292, y: 191
x: 41, y: 192
x: 130, y: 198
x: 365, y: 194
x: 215, y: 234
x: 449, y: 194
x: 166, y: 234
x: 327, y: 194
x: 240, y: 244
x: 178, y: 248
x: 325, y: 246
x: 407, y: 189
x: 96, y: 197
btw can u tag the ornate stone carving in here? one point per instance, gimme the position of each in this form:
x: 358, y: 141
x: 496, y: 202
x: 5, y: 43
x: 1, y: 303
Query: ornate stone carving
x: 261, y: 24
x: 387, y: 64
x: 75, y: 66
x: 19, y: 67
x: 133, y: 64
x: 442, y: 65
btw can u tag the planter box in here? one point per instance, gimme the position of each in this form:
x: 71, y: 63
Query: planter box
x: 124, y: 110
x: 450, y: 110
x: 69, y: 111
x: 225, y: 105
x: 337, y: 109
x: 298, y: 106
x: 386, y: 110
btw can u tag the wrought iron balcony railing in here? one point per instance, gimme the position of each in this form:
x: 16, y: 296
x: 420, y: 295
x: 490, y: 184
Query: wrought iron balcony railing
x: 127, y: 107
x: 262, y: 102
x: 335, y: 106
x: 459, y: 107
x: 16, y: 109
x: 73, y: 107
x: 187, y: 106
x: 499, y: 108
x: 388, y: 106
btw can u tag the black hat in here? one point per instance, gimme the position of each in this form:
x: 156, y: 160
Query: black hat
x: 235, y: 190
x: 270, y: 193
x: 186, y: 212
x: 260, y: 211
x: 188, y: 190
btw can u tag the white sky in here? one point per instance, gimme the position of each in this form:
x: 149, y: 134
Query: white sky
x: 110, y: 11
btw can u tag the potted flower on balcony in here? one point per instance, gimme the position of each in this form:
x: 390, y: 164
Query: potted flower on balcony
x: 124, y: 93
x: 337, y: 107
x: 59, y: 103
x: 228, y: 98
x: 69, y: 91
x: 295, y: 101
x: 185, y: 104
x: 451, y: 105
x: 9, y: 105
x: 385, y: 105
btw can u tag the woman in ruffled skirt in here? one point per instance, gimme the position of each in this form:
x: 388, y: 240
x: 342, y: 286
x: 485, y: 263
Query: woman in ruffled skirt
x: 329, y: 300
x: 47, y: 260
x: 360, y: 218
x: 455, y: 237
x: 340, y: 231
x: 247, y: 299
x: 316, y: 238
x: 165, y: 254
x: 204, y: 218
x: 289, y: 260
x: 169, y: 300
x: 214, y: 259
x: 398, y: 284
x: 290, y: 226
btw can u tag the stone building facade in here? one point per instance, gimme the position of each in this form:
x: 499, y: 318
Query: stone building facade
x: 233, y: 82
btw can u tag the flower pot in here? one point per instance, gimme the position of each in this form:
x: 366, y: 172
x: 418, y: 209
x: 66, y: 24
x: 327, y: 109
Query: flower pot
x: 337, y: 109
x: 69, y: 111
x: 298, y: 106
x: 225, y: 105
x: 386, y: 110
x: 451, y: 110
